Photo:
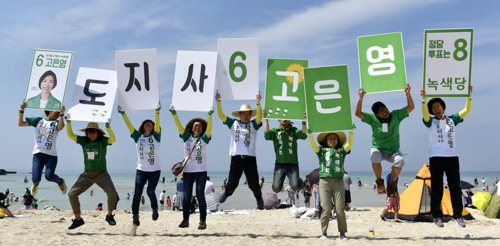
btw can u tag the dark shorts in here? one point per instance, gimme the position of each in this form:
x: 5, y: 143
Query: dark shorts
x: 347, y: 196
x: 162, y: 202
x: 307, y: 198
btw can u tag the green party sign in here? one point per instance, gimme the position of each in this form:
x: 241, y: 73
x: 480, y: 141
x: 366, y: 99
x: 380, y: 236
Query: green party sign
x: 382, y: 62
x: 284, y: 98
x: 328, y: 100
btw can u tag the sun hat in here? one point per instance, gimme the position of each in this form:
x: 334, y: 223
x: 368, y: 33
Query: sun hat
x: 93, y: 125
x: 244, y: 107
x: 322, y: 137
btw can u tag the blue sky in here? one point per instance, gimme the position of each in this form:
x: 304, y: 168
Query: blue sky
x: 324, y: 32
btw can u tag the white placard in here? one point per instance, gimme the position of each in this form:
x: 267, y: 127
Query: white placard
x: 194, y: 80
x: 137, y: 74
x: 94, y: 95
x: 48, y: 79
x: 238, y: 68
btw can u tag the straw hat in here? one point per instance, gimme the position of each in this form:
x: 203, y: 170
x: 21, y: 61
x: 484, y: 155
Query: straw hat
x: 189, y: 125
x: 93, y: 125
x: 322, y: 137
x: 244, y: 107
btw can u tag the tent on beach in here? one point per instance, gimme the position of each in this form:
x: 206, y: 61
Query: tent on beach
x: 415, y: 201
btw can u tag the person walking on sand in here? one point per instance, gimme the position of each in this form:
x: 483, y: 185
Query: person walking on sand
x: 196, y: 135
x: 392, y: 202
x: 285, y: 139
x: 347, y: 186
x: 385, y: 137
x: 331, y: 154
x: 443, y: 155
x: 147, y: 140
x: 94, y: 145
x: 45, y: 151
x: 242, y: 148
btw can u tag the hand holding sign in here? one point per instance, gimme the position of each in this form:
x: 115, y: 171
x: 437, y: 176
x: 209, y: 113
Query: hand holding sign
x: 63, y: 109
x: 361, y: 93
x: 407, y: 90
x: 211, y: 110
x: 172, y: 109
x: 120, y: 110
x: 217, y: 96
x: 257, y: 97
x: 108, y: 123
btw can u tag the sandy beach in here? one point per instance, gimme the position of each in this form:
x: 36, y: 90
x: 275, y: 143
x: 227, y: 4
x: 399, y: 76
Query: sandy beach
x: 250, y: 227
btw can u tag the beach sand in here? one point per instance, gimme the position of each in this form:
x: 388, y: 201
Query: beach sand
x: 267, y: 227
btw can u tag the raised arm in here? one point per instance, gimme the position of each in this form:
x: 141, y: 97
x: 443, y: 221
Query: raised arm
x: 177, y: 122
x: 69, y: 129
x: 348, y: 145
x: 425, y: 109
x: 409, y: 101
x: 304, y: 124
x: 258, y: 119
x: 60, y: 126
x: 468, y: 105
x: 20, y: 119
x: 157, y: 128
x: 311, y: 141
x: 220, y: 112
x: 112, y: 137
x: 208, y: 132
x: 359, y: 105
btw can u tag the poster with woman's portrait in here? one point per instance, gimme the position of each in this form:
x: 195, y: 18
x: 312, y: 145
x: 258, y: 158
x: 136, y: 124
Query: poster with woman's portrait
x: 48, y: 78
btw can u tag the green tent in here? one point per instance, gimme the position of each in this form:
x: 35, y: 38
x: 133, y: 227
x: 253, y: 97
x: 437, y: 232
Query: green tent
x: 493, y: 209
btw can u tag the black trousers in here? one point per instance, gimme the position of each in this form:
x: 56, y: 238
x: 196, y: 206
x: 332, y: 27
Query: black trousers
x: 240, y: 165
x: 451, y: 167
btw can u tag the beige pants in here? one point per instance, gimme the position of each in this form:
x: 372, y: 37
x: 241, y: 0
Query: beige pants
x: 332, y: 188
x: 83, y: 183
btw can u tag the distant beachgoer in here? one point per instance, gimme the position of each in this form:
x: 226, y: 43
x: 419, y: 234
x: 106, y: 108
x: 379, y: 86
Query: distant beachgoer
x: 99, y: 207
x: 169, y: 203
x: 4, y: 206
x: 443, y: 155
x: 180, y: 193
x: 331, y: 154
x: 147, y: 140
x: 94, y: 145
x: 196, y: 136
x: 162, y: 198
x: 307, y: 192
x: 392, y: 202
x: 359, y: 183
x: 242, y: 148
x: 347, y: 186
x: 483, y: 181
x: 209, y: 187
x: 45, y: 151
x: 174, y: 202
x: 92, y: 192
x: 475, y: 182
x: 385, y: 137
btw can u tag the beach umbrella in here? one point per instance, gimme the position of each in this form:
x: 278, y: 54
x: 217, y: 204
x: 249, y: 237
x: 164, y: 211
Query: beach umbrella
x: 212, y: 199
x: 464, y: 185
x: 270, y: 200
x: 314, y: 176
x: 480, y: 199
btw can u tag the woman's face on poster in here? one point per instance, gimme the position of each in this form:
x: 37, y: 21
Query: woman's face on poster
x: 47, y: 84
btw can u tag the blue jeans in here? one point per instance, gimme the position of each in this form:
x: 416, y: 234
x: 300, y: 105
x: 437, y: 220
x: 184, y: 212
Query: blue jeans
x: 41, y: 160
x: 141, y: 178
x: 289, y: 170
x: 201, y: 179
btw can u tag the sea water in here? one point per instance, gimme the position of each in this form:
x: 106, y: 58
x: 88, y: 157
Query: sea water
x: 49, y: 193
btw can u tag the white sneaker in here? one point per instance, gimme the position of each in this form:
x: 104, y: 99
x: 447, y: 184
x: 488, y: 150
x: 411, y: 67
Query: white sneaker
x: 323, y: 237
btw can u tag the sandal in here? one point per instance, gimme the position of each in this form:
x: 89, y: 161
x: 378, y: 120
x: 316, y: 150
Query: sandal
x: 380, y: 186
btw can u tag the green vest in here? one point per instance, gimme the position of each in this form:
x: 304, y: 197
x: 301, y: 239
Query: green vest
x: 285, y: 143
x: 331, y: 162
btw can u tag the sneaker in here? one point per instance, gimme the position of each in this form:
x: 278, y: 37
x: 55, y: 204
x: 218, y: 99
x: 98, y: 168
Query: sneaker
x: 382, y: 217
x: 62, y: 187
x: 34, y: 189
x: 438, y: 222
x: 323, y: 237
x: 76, y: 223
x: 111, y: 219
x: 380, y: 186
x: 260, y: 204
x: 343, y: 236
x: 222, y: 198
x: 135, y: 220
x: 459, y: 221
x: 202, y: 225
x: 184, y: 224
x: 155, y: 214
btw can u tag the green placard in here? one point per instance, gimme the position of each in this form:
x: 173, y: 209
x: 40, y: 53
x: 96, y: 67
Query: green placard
x: 382, y: 62
x: 284, y: 97
x: 328, y: 100
x: 447, y: 62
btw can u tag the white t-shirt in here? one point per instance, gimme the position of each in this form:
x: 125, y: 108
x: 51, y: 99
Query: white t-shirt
x: 162, y: 196
x: 197, y: 161
x: 46, y: 132
x: 43, y: 103
x: 209, y: 186
x: 243, y: 137
x: 148, y: 151
x: 442, y: 139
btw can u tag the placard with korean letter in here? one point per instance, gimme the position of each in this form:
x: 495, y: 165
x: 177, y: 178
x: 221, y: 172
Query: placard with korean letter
x: 327, y: 99
x: 238, y: 68
x: 194, y: 80
x: 447, y: 62
x: 93, y: 95
x: 284, y: 98
x: 137, y: 74
x: 382, y: 62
